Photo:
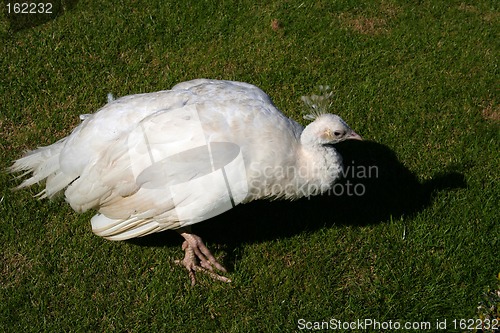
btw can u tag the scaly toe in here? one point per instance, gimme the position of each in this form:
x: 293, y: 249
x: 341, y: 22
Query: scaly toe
x: 190, y: 262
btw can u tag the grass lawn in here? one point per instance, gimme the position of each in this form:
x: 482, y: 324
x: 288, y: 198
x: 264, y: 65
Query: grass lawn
x: 419, y: 82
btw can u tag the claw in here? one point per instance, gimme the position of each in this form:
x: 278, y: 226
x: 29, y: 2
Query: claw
x: 196, y: 251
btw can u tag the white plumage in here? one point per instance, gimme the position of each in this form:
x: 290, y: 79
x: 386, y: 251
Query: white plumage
x: 165, y: 160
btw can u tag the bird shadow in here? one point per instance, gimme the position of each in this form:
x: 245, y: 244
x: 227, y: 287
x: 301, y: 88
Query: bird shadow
x: 375, y: 188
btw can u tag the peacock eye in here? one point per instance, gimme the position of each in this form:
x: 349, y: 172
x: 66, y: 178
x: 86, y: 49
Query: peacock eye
x: 337, y: 133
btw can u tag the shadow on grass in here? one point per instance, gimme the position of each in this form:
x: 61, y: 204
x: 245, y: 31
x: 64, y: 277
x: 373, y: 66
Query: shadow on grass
x: 387, y: 189
x: 24, y: 15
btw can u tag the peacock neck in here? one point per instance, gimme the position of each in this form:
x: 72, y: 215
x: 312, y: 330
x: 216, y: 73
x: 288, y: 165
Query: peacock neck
x: 320, y: 166
x: 310, y: 170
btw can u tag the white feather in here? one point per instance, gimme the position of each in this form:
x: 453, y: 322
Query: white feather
x: 141, y: 160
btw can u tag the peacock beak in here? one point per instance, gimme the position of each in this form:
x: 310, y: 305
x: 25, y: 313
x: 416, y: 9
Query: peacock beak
x: 354, y: 136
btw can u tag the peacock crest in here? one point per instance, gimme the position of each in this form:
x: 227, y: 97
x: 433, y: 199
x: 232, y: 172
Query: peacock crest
x: 317, y: 104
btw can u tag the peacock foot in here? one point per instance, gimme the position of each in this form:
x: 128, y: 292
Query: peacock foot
x: 198, y: 258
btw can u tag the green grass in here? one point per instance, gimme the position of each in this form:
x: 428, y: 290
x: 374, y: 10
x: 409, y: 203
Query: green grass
x: 418, y: 81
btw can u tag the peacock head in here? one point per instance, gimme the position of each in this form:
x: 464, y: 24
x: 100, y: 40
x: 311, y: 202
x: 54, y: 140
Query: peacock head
x: 328, y: 129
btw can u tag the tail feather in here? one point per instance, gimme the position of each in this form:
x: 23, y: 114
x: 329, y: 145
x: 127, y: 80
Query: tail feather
x: 43, y: 164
